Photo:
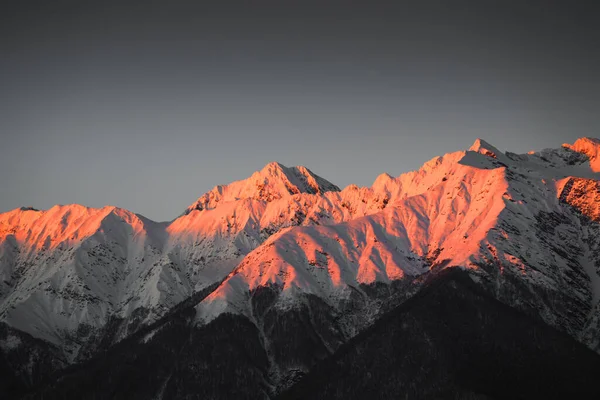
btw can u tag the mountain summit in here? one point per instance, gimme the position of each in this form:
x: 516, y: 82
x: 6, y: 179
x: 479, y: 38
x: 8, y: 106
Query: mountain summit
x: 272, y: 182
x: 483, y: 147
x: 590, y: 147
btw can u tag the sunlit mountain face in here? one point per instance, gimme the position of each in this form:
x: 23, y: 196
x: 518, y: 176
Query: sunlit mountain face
x: 283, y: 285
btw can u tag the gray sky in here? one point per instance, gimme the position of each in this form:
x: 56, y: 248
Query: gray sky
x: 146, y: 105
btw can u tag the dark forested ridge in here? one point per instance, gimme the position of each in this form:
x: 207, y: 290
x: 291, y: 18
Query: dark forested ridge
x: 454, y: 341
x: 451, y: 340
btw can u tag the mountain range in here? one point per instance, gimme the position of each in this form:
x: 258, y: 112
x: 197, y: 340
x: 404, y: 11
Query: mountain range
x: 476, y: 276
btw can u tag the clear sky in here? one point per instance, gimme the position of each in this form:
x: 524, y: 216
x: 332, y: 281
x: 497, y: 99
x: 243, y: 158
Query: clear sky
x: 146, y: 105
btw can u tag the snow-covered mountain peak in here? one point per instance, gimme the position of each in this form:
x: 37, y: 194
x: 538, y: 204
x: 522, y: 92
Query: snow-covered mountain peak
x: 302, y: 179
x: 483, y: 147
x: 273, y: 182
x: 384, y: 183
x: 590, y: 147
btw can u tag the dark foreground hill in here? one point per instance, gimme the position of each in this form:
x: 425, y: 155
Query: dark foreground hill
x: 453, y: 341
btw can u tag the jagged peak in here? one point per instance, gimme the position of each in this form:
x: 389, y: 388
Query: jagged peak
x: 483, y: 147
x: 299, y: 177
x: 384, y: 177
x: 272, y: 182
x: 273, y: 167
x: 590, y: 147
x: 584, y: 140
x: 382, y: 181
x: 276, y: 169
x: 584, y: 145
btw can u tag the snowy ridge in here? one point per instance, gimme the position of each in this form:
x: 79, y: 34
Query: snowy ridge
x: 482, y: 210
x: 428, y: 216
x: 65, y: 273
x: 273, y: 182
x: 72, y: 266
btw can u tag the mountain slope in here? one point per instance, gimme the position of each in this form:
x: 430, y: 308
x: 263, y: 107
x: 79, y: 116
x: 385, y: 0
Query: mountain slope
x: 301, y: 265
x: 73, y: 275
x: 504, y: 217
x: 454, y: 341
x: 70, y: 268
x: 450, y: 340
